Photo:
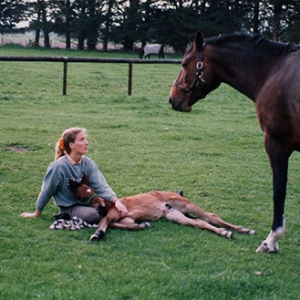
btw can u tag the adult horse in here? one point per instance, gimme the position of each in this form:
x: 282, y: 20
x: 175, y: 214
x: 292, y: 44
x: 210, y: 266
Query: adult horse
x: 268, y: 73
x: 149, y: 49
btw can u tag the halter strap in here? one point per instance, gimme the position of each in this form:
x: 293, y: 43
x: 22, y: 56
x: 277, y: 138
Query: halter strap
x: 88, y: 202
x: 198, y: 78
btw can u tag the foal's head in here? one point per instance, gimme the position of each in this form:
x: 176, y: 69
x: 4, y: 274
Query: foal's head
x: 85, y: 195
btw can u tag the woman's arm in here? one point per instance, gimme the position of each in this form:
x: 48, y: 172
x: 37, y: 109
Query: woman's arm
x: 31, y: 215
x: 120, y: 207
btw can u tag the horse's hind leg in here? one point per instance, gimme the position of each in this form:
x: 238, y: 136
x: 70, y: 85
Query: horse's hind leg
x: 216, y: 220
x: 178, y: 217
x: 186, y: 207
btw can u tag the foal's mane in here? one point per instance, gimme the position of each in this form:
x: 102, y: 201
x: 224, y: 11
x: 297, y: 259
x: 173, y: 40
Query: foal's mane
x: 256, y: 41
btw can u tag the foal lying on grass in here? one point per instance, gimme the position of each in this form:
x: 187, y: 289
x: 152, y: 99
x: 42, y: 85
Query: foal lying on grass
x: 149, y: 207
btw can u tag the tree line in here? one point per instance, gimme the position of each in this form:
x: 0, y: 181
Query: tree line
x: 169, y: 22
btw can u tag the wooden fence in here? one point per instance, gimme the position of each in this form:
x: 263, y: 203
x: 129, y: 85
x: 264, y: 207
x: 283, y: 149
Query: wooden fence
x: 66, y: 60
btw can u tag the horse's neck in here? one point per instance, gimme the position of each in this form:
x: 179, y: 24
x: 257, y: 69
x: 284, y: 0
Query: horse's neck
x: 109, y: 205
x: 240, y: 72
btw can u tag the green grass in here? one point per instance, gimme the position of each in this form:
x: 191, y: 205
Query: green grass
x: 215, y: 154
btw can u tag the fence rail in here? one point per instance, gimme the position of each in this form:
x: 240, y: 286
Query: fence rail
x: 66, y: 60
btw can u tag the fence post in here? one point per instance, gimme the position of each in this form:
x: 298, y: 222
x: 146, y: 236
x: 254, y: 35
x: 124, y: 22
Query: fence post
x: 65, y: 78
x: 129, y: 79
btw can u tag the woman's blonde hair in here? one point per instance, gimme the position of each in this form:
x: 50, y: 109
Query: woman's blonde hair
x: 62, y: 146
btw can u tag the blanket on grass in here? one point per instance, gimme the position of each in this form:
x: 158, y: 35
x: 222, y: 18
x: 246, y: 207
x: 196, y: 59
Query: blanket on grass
x: 74, y: 224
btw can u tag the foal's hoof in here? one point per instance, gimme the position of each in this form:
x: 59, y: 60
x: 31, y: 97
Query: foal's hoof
x: 95, y: 238
x: 228, y: 235
x: 251, y: 232
x: 146, y: 224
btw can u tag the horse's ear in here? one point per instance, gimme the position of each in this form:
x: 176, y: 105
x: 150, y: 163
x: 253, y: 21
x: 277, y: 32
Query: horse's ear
x: 85, y: 179
x: 73, y: 184
x: 198, y: 41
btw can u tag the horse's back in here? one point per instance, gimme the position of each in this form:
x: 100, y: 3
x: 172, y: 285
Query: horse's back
x: 144, y: 207
x: 152, y: 49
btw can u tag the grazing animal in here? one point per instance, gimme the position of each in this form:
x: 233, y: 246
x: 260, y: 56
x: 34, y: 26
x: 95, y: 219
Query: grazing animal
x: 149, y: 207
x: 149, y: 49
x: 268, y: 73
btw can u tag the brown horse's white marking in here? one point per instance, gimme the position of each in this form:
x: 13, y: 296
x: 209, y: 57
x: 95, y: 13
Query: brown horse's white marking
x: 149, y: 207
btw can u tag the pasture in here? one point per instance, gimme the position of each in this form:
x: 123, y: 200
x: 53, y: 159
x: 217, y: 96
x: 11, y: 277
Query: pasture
x: 215, y: 154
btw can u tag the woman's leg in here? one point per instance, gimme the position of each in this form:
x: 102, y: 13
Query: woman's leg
x: 86, y: 213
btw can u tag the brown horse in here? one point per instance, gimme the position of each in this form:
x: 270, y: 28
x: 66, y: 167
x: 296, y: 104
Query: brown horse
x: 268, y: 73
x: 149, y: 207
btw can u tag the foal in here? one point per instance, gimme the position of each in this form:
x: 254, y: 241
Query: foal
x: 149, y: 207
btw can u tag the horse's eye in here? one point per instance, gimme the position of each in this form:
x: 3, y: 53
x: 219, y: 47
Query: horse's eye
x: 184, y: 65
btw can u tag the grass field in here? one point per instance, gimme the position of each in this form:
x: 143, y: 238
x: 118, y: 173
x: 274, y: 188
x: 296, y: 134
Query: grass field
x: 215, y: 154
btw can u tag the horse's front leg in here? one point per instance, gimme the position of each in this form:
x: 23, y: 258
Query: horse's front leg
x: 112, y: 216
x: 279, y: 163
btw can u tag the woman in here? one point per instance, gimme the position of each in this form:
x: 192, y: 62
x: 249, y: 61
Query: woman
x: 70, y: 162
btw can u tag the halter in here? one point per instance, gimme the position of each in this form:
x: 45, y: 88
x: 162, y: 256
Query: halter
x: 88, y: 200
x: 198, y: 78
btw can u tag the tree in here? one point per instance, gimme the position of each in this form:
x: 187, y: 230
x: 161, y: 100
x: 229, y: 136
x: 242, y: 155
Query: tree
x: 63, y: 19
x: 129, y: 27
x: 42, y: 14
x: 11, y: 13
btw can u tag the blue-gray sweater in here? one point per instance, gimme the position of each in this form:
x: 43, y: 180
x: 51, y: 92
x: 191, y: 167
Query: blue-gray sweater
x: 56, y: 183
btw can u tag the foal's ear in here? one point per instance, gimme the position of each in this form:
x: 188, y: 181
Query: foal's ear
x: 198, y: 41
x: 73, y: 184
x: 85, y: 179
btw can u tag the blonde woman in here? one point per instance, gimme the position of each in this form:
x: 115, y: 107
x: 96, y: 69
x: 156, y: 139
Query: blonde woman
x: 71, y: 162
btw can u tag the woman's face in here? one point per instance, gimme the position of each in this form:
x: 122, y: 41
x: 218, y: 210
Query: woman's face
x: 80, y: 145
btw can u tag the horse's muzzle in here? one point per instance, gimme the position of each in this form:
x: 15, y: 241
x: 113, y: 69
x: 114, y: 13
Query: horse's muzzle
x: 179, y: 105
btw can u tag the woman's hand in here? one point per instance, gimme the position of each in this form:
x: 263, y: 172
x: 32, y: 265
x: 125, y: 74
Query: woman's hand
x: 120, y: 207
x: 30, y: 215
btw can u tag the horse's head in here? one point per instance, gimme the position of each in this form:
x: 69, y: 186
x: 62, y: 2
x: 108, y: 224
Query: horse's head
x: 196, y: 78
x: 85, y: 195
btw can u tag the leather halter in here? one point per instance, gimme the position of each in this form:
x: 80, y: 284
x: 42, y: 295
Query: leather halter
x: 198, y: 78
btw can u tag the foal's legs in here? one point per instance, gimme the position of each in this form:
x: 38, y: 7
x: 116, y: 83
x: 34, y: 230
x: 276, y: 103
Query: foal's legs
x: 187, y: 207
x: 112, y: 220
x: 178, y: 217
x: 128, y: 223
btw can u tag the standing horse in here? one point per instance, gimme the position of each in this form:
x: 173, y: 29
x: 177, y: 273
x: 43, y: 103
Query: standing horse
x: 149, y: 49
x: 268, y: 73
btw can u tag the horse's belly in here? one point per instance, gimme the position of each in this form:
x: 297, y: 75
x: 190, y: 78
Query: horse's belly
x: 147, y: 213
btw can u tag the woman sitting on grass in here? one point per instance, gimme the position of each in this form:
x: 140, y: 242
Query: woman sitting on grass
x: 70, y: 162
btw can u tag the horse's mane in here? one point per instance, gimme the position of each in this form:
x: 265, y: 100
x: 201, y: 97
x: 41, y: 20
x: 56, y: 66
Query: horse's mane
x: 256, y: 40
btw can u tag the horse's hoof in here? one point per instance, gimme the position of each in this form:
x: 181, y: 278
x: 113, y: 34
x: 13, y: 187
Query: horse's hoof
x: 94, y: 237
x: 228, y: 235
x: 251, y: 232
x: 264, y: 248
x: 144, y: 225
x: 180, y: 193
